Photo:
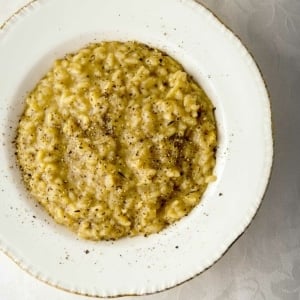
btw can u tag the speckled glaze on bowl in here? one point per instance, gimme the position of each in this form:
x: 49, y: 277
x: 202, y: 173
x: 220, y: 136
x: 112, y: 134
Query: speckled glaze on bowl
x: 45, y: 30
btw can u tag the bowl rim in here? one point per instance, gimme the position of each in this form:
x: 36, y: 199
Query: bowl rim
x: 22, y: 11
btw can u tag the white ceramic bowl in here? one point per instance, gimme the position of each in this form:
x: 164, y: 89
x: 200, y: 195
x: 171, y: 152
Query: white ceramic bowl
x: 45, y: 30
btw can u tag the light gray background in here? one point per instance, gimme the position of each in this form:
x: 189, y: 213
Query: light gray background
x: 265, y: 262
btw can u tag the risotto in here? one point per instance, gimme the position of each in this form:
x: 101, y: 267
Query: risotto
x: 117, y: 140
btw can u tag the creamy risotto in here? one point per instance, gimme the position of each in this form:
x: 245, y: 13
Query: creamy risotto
x: 117, y: 140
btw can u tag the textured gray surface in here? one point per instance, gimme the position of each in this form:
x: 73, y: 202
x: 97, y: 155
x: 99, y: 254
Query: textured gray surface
x: 265, y: 262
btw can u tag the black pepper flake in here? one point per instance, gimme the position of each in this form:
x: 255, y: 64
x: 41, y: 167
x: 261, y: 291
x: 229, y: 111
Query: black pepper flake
x: 176, y: 247
x: 86, y: 251
x: 220, y: 194
x: 34, y: 217
x: 121, y: 174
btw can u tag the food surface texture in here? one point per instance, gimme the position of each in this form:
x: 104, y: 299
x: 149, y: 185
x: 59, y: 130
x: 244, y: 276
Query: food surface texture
x: 117, y: 140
